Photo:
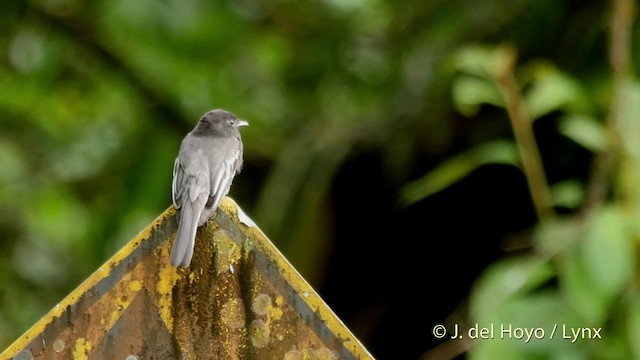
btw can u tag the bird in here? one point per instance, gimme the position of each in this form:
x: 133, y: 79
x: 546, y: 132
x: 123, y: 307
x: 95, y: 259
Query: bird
x: 210, y: 157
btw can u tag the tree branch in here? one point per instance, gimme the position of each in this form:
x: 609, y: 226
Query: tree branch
x: 521, y: 124
x: 604, y: 163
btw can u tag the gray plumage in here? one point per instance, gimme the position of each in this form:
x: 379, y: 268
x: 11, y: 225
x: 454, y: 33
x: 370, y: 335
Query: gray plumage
x: 210, y: 157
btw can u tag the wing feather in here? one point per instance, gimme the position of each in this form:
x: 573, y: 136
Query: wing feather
x: 220, y: 187
x: 176, y: 183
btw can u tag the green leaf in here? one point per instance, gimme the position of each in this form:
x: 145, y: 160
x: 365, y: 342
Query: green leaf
x: 608, y: 251
x: 553, y: 90
x: 470, y: 92
x: 454, y: 169
x: 556, y: 236
x: 568, y: 194
x: 544, y: 311
x: 478, y: 60
x: 600, y: 266
x: 585, y: 131
x: 503, y: 281
x: 578, y: 288
x: 628, y: 109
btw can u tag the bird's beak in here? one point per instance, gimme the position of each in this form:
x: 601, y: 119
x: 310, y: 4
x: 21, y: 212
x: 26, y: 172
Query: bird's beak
x: 240, y: 123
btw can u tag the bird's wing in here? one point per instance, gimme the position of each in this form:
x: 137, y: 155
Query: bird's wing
x: 190, y: 193
x: 196, y: 175
x: 190, y: 177
x: 176, y: 183
x: 221, y: 177
x: 222, y: 174
x: 237, y: 164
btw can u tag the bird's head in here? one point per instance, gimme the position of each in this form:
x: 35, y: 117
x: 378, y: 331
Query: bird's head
x: 218, y: 122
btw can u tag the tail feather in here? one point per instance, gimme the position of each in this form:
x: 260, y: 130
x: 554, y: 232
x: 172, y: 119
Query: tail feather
x: 186, y: 260
x: 183, y: 245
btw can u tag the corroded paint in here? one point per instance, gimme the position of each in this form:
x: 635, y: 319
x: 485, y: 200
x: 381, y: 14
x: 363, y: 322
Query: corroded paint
x: 239, y: 299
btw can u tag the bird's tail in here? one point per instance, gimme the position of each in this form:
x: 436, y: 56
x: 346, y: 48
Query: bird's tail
x: 185, y: 240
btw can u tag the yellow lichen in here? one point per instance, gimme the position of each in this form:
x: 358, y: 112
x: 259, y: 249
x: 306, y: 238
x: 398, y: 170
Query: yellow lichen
x: 166, y: 281
x: 82, y: 349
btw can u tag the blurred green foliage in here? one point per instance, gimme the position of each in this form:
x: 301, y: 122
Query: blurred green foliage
x: 592, y: 254
x: 96, y: 95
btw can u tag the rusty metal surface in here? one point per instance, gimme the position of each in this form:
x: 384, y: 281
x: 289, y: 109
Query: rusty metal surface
x: 240, y: 299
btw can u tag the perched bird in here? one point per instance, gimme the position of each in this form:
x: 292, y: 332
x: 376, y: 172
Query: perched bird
x: 210, y: 157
